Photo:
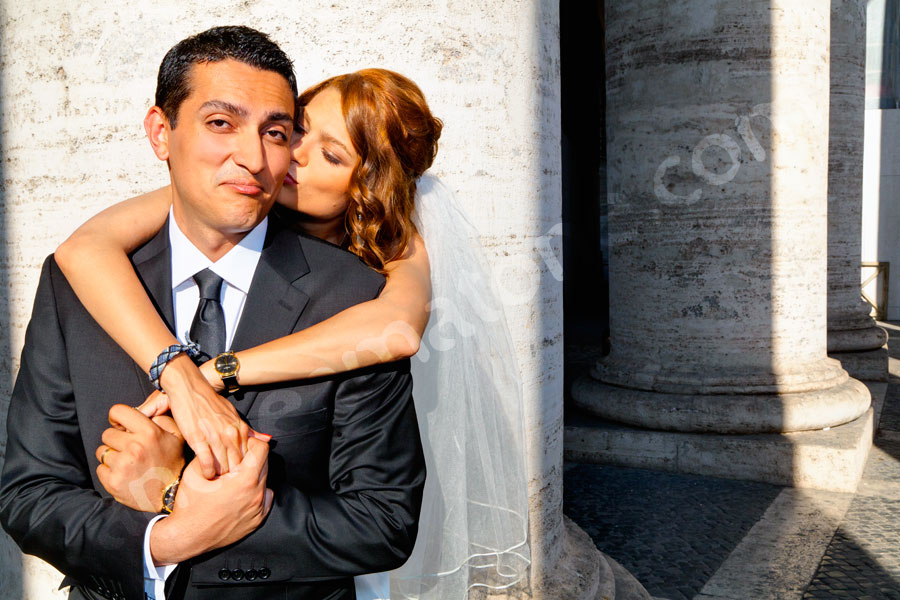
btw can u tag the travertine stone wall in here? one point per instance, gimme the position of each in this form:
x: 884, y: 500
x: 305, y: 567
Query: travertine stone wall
x: 717, y: 117
x: 78, y: 77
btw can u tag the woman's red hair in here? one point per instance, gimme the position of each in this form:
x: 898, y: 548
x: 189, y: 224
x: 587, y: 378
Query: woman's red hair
x: 395, y: 136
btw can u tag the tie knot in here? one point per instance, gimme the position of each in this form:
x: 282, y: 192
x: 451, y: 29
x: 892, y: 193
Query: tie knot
x: 209, y: 283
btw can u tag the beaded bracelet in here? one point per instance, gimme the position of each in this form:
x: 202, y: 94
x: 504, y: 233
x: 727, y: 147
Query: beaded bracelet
x: 156, y: 369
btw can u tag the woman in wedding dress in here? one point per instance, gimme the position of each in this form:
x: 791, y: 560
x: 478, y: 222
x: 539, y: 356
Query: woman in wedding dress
x: 360, y: 152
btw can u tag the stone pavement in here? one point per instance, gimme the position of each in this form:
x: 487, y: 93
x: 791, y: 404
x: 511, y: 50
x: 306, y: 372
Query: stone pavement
x: 693, y: 537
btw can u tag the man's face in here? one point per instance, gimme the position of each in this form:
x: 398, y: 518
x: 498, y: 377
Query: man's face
x: 230, y: 150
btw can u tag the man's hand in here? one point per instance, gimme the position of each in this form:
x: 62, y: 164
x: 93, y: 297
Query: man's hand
x: 139, y: 457
x: 210, y: 424
x: 212, y: 514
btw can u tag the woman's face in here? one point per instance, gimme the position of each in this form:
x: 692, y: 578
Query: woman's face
x: 322, y: 161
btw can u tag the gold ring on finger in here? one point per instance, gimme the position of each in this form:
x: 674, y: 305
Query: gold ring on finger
x: 103, y: 456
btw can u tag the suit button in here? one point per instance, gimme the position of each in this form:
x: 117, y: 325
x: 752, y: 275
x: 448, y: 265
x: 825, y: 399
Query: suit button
x: 237, y: 574
x: 251, y: 574
x: 224, y: 574
x: 264, y: 573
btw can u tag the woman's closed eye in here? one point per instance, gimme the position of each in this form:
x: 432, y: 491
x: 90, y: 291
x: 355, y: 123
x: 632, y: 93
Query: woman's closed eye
x: 332, y: 158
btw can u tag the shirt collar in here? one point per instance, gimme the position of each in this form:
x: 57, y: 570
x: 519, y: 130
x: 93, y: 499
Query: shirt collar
x: 236, y: 267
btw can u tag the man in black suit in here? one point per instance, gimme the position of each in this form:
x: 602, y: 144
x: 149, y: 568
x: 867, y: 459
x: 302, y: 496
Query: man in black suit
x: 334, y: 494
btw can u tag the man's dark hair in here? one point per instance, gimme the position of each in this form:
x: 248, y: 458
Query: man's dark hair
x: 236, y: 42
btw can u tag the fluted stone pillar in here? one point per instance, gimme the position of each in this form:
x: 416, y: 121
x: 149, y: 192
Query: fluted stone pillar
x: 718, y: 143
x: 853, y: 336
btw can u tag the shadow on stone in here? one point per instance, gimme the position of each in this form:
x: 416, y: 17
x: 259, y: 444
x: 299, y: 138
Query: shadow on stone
x: 671, y: 531
x: 860, y: 561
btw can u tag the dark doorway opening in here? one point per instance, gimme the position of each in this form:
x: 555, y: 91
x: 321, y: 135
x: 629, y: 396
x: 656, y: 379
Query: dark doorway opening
x: 585, y: 266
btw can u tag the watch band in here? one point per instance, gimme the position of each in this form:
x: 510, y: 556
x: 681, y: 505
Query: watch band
x: 168, y: 499
x: 231, y: 383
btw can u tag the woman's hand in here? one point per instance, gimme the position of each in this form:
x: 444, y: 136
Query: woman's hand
x: 209, y: 423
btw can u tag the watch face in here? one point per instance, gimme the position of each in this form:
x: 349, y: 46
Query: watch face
x: 226, y: 363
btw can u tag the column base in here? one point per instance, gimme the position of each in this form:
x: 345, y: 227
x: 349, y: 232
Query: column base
x: 738, y: 413
x: 856, y: 339
x: 585, y: 573
x: 832, y: 459
x: 868, y: 366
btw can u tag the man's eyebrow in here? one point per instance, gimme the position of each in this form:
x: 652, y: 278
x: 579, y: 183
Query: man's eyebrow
x: 280, y: 116
x: 224, y: 106
x: 240, y: 111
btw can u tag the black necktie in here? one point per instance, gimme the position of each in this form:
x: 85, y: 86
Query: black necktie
x: 208, y: 328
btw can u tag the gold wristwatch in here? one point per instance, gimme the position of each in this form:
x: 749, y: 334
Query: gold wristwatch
x: 227, y: 366
x: 168, y: 499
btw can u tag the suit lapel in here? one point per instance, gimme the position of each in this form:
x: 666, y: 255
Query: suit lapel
x: 275, y: 302
x: 153, y: 264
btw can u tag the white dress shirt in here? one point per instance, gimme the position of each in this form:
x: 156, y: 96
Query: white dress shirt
x: 236, y: 268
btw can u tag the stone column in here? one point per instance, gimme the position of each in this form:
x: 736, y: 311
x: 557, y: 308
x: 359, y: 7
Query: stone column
x: 853, y: 337
x: 718, y: 136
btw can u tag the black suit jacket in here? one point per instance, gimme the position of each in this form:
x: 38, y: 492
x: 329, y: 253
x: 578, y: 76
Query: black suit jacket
x: 345, y: 462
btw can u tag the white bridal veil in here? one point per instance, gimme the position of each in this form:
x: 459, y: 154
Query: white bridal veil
x: 473, y: 529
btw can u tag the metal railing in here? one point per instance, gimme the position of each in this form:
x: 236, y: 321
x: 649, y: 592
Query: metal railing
x: 879, y: 305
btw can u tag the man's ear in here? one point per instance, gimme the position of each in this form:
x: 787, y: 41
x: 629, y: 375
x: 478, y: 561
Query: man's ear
x: 157, y: 127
